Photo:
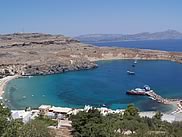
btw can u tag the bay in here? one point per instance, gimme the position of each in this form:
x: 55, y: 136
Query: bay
x: 106, y: 84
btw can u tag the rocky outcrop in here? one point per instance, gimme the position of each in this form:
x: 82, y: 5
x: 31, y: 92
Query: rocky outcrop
x: 42, y: 54
x: 42, y: 69
x: 11, y: 69
x: 45, y: 69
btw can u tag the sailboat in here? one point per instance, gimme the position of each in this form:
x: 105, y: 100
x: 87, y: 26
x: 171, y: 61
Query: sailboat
x: 135, y: 62
x: 130, y: 72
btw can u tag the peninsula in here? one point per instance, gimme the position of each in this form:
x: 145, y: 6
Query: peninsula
x: 41, y: 54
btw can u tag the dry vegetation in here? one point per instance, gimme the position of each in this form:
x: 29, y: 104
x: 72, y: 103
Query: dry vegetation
x: 34, y: 53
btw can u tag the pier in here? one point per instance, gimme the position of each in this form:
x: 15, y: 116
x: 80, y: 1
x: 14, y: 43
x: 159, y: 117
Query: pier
x: 157, y: 97
x: 166, y: 101
x: 160, y: 99
x: 146, y: 91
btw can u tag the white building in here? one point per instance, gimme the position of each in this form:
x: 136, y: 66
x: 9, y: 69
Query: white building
x: 60, y: 110
x: 25, y: 116
x: 44, y: 109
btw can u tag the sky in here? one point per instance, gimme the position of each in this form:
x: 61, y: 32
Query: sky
x: 78, y: 17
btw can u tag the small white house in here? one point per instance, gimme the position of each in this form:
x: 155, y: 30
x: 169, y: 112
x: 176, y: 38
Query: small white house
x: 51, y: 115
x: 25, y: 116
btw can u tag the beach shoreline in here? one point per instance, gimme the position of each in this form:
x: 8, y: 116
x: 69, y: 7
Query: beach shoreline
x: 4, y: 81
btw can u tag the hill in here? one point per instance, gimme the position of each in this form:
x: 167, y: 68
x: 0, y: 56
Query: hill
x: 169, y: 34
x: 42, y: 54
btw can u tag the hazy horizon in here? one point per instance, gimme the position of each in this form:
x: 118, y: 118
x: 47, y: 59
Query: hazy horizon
x: 90, y: 17
x: 91, y: 33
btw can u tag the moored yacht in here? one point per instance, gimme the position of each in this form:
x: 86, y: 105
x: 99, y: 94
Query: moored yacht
x: 130, y: 72
x: 139, y: 91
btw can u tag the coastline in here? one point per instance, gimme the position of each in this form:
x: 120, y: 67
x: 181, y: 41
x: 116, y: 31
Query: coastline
x: 4, y: 81
x: 173, y: 104
x: 40, y: 58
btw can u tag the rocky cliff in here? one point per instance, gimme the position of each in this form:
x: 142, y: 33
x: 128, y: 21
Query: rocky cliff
x: 41, y: 54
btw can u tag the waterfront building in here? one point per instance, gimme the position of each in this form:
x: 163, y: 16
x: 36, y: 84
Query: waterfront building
x: 44, y: 109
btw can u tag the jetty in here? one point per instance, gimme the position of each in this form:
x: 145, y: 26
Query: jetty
x: 147, y: 91
x: 154, y: 96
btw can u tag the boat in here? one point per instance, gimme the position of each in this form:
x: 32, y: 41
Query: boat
x: 103, y: 105
x: 135, y: 62
x: 137, y: 91
x: 130, y: 72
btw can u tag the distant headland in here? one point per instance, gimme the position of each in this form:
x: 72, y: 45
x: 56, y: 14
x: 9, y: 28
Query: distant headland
x: 164, y: 35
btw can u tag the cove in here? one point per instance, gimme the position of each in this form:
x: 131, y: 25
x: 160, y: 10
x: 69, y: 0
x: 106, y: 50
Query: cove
x: 106, y: 84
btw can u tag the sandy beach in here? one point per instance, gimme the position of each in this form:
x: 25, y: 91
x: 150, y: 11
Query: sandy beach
x: 4, y: 81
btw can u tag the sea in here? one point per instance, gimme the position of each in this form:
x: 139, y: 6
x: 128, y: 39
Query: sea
x: 166, y: 45
x: 104, y: 86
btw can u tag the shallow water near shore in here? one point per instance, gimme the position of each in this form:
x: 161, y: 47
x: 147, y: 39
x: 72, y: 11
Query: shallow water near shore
x: 106, y: 84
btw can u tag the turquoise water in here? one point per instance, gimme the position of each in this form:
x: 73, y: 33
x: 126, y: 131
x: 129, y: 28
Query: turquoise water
x: 106, y: 84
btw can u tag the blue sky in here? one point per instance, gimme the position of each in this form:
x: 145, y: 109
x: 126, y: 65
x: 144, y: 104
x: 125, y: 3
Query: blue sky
x: 76, y: 17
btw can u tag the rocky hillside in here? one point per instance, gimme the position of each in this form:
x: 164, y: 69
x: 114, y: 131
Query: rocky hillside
x: 41, y: 54
x: 33, y: 53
